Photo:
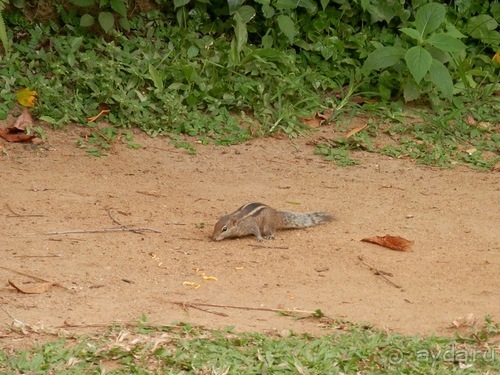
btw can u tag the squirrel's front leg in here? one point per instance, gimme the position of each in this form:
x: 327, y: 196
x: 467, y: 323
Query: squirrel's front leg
x: 256, y: 233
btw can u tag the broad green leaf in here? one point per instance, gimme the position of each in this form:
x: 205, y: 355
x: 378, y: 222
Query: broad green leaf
x: 287, y: 27
x: 246, y: 13
x: 267, y: 41
x: 180, y: 3
x: 453, y: 31
x: 383, y: 57
x: 307, y: 4
x: 193, y: 51
x: 381, y: 12
x: 240, y: 31
x: 18, y: 3
x: 481, y: 26
x: 267, y: 11
x: 429, y: 18
x: 286, y: 4
x: 412, y: 33
x: 181, y: 16
x: 446, y: 43
x: 87, y: 20
x: 418, y: 61
x: 234, y: 5
x: 495, y: 11
x: 106, y: 20
x: 155, y: 77
x: 119, y: 6
x: 234, y: 56
x: 83, y: 3
x: 411, y: 91
x: 324, y: 3
x: 124, y: 23
x: 440, y: 76
x: 48, y: 119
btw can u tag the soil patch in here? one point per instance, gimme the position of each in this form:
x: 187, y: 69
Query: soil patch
x: 452, y: 215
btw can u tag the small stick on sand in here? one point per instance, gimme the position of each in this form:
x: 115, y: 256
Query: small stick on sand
x: 196, y: 304
x: 105, y: 230
x: 379, y: 272
x: 17, y: 214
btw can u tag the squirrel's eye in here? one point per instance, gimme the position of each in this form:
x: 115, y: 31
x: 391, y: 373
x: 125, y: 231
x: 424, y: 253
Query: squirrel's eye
x: 224, y: 228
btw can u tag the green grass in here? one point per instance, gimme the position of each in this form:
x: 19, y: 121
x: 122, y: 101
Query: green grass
x: 225, y: 76
x: 185, y: 349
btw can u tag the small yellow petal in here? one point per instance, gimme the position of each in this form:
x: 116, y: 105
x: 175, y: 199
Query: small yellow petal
x: 496, y: 58
x: 189, y: 283
x: 210, y: 278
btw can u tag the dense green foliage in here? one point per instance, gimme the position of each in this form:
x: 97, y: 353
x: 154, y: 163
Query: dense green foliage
x: 184, y: 349
x: 224, y: 71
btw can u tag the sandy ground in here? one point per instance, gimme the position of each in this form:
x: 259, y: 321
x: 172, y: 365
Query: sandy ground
x: 452, y: 215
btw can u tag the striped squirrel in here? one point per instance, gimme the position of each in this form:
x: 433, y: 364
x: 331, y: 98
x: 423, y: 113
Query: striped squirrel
x: 262, y: 221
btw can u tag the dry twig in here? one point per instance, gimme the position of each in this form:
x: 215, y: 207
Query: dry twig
x: 17, y: 214
x: 34, y: 277
x: 196, y: 304
x: 269, y: 247
x: 379, y: 272
x: 105, y: 230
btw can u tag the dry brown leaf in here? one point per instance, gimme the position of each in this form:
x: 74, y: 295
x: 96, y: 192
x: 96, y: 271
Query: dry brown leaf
x: 16, y: 133
x: 465, y: 321
x: 23, y: 120
x: 317, y: 120
x: 355, y: 130
x: 391, y: 242
x: 32, y: 289
x: 496, y: 167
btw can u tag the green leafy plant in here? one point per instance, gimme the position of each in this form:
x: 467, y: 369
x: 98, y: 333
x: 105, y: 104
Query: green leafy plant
x: 3, y: 30
x: 101, y: 139
x: 426, y: 59
x: 106, y: 15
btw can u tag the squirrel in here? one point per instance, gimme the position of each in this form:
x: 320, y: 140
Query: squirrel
x: 262, y: 221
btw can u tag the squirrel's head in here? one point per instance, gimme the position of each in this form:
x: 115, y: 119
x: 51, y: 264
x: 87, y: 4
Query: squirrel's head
x: 223, y: 228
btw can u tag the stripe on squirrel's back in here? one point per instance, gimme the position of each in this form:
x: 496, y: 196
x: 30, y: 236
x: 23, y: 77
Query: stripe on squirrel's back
x: 251, y: 209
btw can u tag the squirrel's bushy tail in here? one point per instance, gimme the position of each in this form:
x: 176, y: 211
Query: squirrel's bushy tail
x: 303, y: 220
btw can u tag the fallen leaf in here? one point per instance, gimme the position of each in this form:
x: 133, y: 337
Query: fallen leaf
x: 23, y: 120
x: 355, y: 130
x: 15, y: 135
x: 317, y: 120
x: 32, y: 289
x: 465, y: 321
x: 391, y: 242
x: 26, y: 97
